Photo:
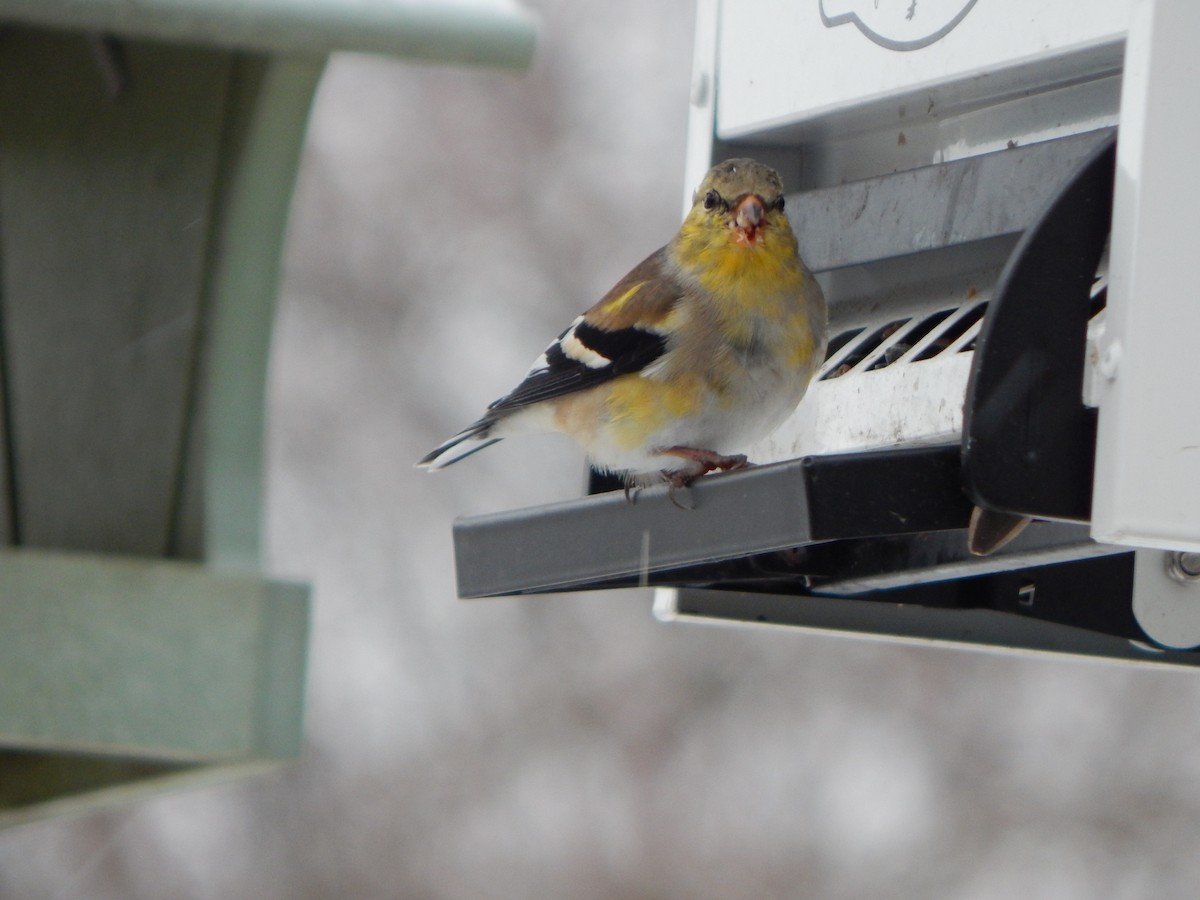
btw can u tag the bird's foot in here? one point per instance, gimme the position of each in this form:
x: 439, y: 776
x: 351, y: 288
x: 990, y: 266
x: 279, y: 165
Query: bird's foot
x: 707, y: 460
x: 677, y: 480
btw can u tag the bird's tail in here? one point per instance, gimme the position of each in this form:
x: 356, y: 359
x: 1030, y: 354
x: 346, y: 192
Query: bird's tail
x: 470, y: 440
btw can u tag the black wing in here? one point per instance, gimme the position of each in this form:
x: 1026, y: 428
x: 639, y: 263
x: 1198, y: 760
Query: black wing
x: 604, y: 342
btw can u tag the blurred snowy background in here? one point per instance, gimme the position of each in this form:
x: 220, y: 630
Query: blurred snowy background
x: 447, y: 223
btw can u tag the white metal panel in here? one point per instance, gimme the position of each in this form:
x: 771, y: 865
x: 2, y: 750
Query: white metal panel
x: 1147, y: 481
x: 702, y: 114
x: 788, y: 62
x: 975, y: 629
x: 1168, y: 610
x: 907, y: 402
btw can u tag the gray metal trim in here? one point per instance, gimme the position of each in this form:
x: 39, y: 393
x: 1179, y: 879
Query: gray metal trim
x: 571, y: 544
x: 905, y: 503
x: 963, y: 628
x: 935, y: 206
x: 943, y: 556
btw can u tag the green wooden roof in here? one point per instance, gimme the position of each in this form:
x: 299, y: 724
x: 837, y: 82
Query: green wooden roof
x: 483, y: 32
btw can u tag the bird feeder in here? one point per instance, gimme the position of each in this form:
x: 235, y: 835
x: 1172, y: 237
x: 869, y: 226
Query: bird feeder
x: 997, y: 200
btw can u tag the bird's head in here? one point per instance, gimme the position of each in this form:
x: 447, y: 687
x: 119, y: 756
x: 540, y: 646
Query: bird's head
x: 739, y: 202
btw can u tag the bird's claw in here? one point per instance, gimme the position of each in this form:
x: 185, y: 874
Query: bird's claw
x: 707, y: 460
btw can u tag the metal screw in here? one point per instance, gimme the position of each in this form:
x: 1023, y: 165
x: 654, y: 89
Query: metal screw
x: 1184, y: 567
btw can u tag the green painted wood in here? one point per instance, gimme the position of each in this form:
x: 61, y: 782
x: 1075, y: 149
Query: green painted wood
x: 264, y: 136
x: 146, y: 167
x: 121, y: 678
x: 141, y: 240
x: 140, y: 243
x: 484, y: 32
x: 148, y: 660
x: 106, y: 210
x: 35, y: 784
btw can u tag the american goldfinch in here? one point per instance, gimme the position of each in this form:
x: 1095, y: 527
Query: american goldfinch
x: 705, y: 347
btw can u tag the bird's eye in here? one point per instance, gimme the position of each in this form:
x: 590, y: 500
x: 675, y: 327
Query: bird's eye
x: 778, y: 204
x: 711, y: 199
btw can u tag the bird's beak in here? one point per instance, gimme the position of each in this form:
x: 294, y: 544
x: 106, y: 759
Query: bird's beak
x: 748, y: 217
